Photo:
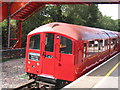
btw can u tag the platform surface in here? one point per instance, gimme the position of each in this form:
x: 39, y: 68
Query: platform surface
x: 104, y: 76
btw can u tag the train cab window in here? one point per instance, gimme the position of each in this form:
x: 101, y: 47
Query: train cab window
x: 35, y: 42
x: 65, y: 45
x: 49, y: 45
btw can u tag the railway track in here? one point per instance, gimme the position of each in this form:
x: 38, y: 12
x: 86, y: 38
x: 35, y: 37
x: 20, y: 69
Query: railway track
x: 36, y: 85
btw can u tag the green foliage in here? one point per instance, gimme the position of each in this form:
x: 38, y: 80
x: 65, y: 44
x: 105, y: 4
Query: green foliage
x: 4, y: 26
x: 74, y: 14
x: 92, y: 15
x: 118, y: 25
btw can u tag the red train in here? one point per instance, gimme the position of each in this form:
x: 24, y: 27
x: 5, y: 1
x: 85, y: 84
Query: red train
x: 63, y: 52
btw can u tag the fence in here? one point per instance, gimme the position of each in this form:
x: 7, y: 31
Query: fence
x: 13, y: 54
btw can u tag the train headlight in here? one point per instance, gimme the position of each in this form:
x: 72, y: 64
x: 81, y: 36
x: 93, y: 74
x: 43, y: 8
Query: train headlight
x: 28, y: 62
x: 38, y: 64
x: 34, y: 56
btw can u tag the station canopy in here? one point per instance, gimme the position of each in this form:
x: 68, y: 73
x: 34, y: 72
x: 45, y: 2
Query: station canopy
x: 23, y: 9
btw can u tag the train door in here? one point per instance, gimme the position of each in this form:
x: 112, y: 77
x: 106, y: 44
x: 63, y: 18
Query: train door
x: 49, y: 53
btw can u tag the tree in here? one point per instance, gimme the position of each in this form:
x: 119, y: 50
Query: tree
x: 118, y: 25
x: 93, y: 15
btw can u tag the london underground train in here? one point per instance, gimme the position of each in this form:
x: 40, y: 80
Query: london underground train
x: 60, y: 52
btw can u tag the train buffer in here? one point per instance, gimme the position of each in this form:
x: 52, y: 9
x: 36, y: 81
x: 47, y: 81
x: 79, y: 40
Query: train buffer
x: 103, y: 76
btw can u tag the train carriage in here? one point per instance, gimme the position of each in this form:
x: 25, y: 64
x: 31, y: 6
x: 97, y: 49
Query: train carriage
x: 64, y: 52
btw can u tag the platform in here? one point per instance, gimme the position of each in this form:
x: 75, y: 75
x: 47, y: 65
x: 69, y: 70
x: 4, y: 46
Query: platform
x: 104, y: 76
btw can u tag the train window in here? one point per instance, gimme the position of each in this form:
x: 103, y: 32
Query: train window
x: 96, y: 45
x: 117, y: 40
x: 49, y: 45
x: 100, y: 45
x: 65, y: 45
x: 106, y: 44
x: 85, y: 50
x: 35, y: 42
x: 93, y: 47
x: 103, y: 44
x: 114, y: 43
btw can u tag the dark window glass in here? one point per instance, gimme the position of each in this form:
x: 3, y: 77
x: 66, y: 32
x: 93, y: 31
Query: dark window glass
x: 65, y: 45
x: 49, y: 45
x: 35, y: 42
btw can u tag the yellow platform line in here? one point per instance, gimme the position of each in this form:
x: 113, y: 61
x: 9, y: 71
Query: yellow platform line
x: 108, y: 74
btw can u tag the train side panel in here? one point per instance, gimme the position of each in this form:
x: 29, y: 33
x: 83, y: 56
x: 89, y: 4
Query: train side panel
x: 83, y: 49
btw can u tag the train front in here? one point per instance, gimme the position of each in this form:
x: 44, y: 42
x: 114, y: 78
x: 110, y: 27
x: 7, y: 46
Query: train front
x: 49, y: 56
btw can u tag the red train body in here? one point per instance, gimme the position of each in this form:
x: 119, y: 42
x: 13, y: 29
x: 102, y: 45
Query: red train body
x: 60, y: 51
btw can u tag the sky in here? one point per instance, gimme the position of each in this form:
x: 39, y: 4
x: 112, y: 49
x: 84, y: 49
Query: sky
x: 109, y: 10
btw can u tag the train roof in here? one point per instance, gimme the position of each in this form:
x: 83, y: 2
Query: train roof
x: 76, y: 32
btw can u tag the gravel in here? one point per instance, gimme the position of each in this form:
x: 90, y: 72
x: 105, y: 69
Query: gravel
x: 11, y: 72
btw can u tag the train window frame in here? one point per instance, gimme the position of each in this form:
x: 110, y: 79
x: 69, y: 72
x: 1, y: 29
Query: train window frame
x: 63, y: 46
x: 38, y: 46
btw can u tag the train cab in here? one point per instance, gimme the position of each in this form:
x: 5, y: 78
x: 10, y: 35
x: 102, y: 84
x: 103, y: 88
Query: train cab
x: 50, y: 55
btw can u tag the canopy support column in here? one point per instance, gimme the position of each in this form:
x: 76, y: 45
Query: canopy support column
x: 20, y: 35
x: 8, y: 21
